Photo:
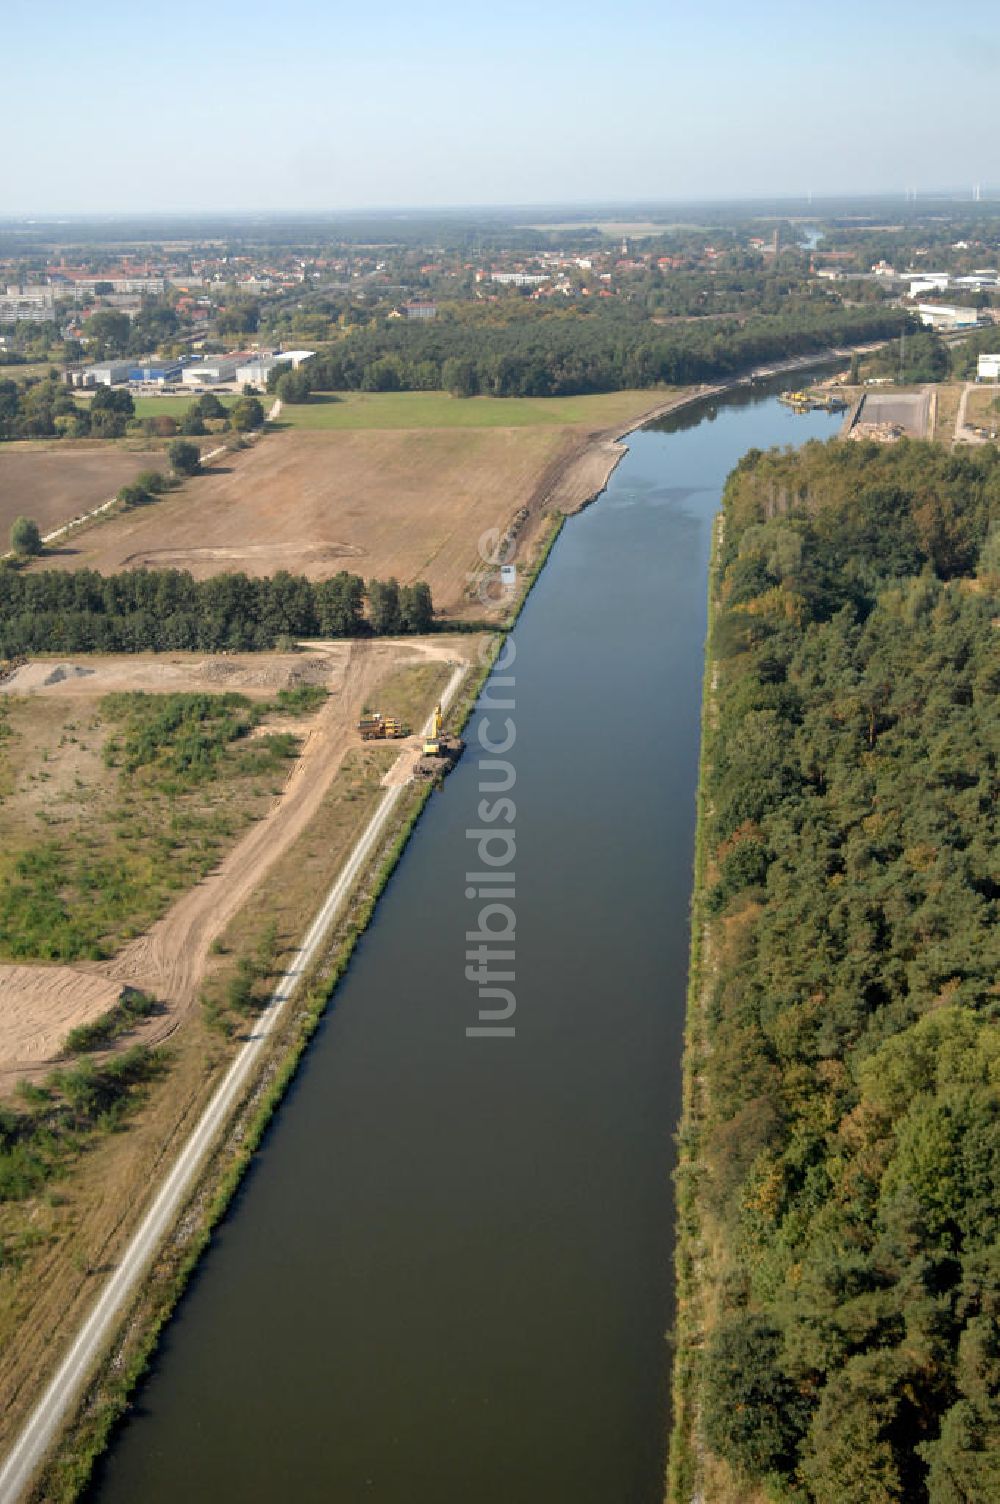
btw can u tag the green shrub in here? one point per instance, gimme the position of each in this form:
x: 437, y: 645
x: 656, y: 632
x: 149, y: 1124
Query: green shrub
x: 25, y: 537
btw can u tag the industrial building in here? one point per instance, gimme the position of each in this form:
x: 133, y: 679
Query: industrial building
x: 256, y: 371
x: 106, y: 373
x: 245, y: 367
x: 944, y: 316
x: 155, y: 372
x: 215, y: 369
x: 988, y: 368
x: 258, y: 368
x: 929, y: 282
x: 982, y: 281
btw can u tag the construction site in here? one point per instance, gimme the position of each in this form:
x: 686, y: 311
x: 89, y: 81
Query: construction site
x: 885, y: 417
x: 430, y: 756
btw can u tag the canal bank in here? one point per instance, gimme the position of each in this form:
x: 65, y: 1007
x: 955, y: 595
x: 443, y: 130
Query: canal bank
x: 447, y: 1273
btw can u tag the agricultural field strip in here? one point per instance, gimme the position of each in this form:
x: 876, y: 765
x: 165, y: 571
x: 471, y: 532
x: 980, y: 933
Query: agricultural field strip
x: 43, y: 1426
x: 106, y: 506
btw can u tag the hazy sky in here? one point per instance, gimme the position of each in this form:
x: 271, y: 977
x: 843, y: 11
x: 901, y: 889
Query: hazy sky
x: 333, y: 106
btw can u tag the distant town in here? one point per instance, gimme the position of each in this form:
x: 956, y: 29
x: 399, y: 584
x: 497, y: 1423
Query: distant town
x: 191, y: 315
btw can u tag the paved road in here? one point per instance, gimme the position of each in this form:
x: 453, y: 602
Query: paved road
x: 44, y: 1425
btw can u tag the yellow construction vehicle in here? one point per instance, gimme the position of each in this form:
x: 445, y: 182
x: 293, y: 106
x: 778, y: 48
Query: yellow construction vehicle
x: 378, y: 727
x: 432, y: 746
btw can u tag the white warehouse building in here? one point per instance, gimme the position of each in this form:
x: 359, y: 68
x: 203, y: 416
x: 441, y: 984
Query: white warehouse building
x: 946, y: 316
x: 988, y: 368
x: 107, y: 373
x: 212, y: 371
x: 256, y: 371
x: 244, y: 367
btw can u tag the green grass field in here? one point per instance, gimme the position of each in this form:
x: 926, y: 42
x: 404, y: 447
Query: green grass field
x: 35, y: 368
x: 173, y: 407
x: 328, y: 410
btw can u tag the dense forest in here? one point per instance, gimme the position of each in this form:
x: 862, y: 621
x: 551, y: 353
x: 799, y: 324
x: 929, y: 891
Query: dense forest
x: 52, y: 611
x: 603, y: 348
x: 839, y: 1257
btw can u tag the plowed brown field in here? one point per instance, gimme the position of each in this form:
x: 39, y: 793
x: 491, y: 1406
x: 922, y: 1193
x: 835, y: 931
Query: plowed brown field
x: 55, y: 485
x: 409, y: 503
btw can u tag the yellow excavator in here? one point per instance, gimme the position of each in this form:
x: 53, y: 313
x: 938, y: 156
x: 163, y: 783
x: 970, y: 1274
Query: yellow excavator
x: 432, y: 746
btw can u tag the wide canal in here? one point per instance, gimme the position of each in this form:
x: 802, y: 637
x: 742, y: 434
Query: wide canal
x: 447, y: 1277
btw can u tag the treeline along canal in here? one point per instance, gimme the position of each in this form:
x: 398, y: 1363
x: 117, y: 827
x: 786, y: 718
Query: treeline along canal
x: 447, y: 1276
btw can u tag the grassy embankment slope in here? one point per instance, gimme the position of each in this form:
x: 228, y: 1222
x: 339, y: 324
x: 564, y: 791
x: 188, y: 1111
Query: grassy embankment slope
x: 839, y: 1284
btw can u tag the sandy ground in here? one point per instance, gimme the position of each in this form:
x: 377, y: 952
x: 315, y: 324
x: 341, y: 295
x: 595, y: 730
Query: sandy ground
x: 40, y: 1004
x: 90, y: 675
x: 169, y: 960
x: 584, y: 475
x: 55, y: 485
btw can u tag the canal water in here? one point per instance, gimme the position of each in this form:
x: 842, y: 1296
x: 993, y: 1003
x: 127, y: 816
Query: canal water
x: 447, y: 1277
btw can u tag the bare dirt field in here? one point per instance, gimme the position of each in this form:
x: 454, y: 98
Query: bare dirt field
x: 87, y: 676
x: 56, y: 485
x: 409, y: 503
x: 402, y: 503
x: 40, y: 1004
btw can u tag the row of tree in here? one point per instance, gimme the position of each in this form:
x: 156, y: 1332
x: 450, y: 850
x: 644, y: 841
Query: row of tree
x: 207, y: 414
x: 52, y: 611
x: 603, y: 348
x: 847, y: 1146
